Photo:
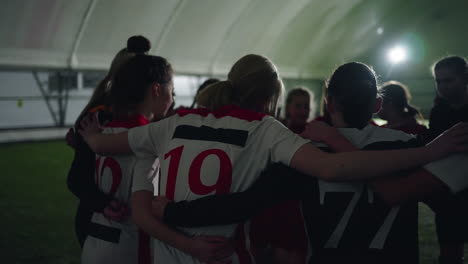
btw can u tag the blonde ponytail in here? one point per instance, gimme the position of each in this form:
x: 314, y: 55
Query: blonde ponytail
x: 216, y: 95
x: 253, y: 83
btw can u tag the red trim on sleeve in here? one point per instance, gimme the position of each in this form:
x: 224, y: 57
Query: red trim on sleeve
x: 100, y: 107
x: 135, y: 121
x: 240, y: 245
x: 227, y: 110
x: 415, y: 129
x: 328, y: 121
x: 144, y: 254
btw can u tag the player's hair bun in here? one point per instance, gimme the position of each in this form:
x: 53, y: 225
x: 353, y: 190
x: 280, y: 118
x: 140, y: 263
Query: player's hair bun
x: 138, y: 44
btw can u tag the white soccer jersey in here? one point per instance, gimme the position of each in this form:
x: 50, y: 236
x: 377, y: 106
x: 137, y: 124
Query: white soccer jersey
x: 452, y: 170
x: 111, y: 241
x: 204, y: 153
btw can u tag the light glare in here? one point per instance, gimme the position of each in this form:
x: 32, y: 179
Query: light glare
x: 397, y: 54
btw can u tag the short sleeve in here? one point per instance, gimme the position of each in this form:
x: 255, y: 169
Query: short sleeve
x: 148, y: 140
x: 452, y: 170
x: 146, y: 172
x: 281, y: 141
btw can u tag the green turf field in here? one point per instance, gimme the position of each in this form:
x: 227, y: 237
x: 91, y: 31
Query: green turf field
x: 36, y: 209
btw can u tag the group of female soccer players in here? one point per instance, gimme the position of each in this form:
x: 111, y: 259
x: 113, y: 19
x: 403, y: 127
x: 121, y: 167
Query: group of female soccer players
x: 233, y: 161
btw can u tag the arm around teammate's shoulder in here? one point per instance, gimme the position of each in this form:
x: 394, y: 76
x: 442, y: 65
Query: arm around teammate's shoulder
x: 207, y: 249
x: 103, y: 144
x: 416, y: 186
x: 142, y: 140
x: 359, y: 165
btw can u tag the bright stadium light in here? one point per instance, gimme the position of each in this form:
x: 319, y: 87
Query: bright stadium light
x: 397, y: 54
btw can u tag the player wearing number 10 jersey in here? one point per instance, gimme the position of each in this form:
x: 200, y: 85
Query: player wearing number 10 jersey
x: 112, y: 241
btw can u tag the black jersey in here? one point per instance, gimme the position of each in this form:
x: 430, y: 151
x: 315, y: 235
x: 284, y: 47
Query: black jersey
x: 80, y: 180
x: 349, y: 223
x: 450, y: 210
x: 444, y: 117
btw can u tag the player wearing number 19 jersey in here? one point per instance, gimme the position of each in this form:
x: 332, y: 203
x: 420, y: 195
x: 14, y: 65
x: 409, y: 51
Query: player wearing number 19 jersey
x: 111, y: 241
x: 204, y: 153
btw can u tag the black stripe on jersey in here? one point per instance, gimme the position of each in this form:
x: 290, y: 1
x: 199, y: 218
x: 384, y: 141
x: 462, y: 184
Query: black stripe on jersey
x: 322, y: 219
x: 229, y: 136
x: 106, y: 233
x: 326, y: 149
x: 398, y: 144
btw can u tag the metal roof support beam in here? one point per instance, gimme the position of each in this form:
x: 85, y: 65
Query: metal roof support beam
x: 46, y: 97
x: 62, y: 99
x: 72, y: 60
x: 168, y: 25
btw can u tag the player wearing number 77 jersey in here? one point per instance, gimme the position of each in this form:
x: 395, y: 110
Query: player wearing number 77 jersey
x: 224, y: 149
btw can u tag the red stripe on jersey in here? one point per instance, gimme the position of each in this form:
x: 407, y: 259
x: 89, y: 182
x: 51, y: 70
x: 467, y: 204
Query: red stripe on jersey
x: 240, y: 245
x: 134, y: 121
x: 144, y: 254
x: 100, y: 107
x: 327, y: 120
x: 96, y: 170
x: 227, y: 110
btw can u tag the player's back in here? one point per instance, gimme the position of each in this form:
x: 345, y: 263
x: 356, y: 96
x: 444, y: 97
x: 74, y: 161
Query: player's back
x: 113, y: 241
x: 348, y: 222
x: 208, y: 153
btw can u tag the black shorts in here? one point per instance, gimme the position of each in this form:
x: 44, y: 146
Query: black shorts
x: 451, y: 218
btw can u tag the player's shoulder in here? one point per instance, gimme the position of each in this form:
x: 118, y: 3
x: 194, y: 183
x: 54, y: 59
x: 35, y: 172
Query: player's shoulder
x: 387, y: 134
x: 119, y: 125
x: 228, y: 117
x: 385, y: 138
x: 222, y: 112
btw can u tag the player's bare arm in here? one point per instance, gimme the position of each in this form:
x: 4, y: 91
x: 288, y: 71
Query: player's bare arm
x: 210, y: 249
x: 347, y: 166
x: 319, y: 131
x: 103, y: 144
x: 418, y: 185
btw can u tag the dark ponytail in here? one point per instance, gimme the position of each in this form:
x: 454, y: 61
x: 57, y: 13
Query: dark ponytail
x: 412, y: 111
x: 138, y: 44
x: 353, y: 86
x: 398, y: 95
x: 132, y: 80
x: 135, y: 45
